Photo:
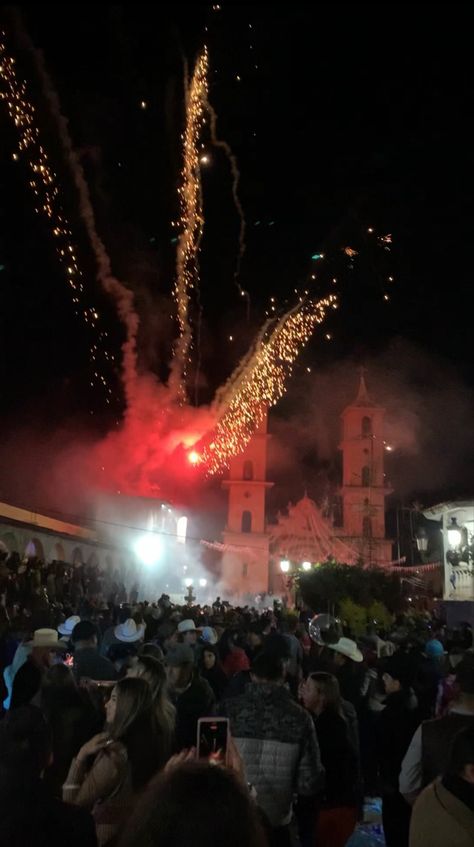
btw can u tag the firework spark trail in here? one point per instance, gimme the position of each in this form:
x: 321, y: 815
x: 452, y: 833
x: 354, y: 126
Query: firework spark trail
x: 44, y: 184
x: 191, y: 222
x: 261, y: 383
x: 121, y: 295
x: 223, y: 145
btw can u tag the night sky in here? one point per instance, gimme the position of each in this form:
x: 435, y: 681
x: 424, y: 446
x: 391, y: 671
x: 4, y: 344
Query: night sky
x: 342, y: 119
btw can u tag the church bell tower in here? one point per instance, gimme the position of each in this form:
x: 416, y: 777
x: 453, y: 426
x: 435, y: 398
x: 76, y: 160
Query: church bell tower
x: 245, y: 569
x: 363, y: 478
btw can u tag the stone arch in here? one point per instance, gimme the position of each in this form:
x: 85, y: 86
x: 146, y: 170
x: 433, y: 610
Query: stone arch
x: 77, y: 557
x: 10, y: 541
x: 93, y: 560
x: 34, y: 548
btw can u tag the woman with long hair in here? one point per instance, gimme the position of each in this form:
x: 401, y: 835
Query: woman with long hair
x: 195, y: 804
x: 338, y: 814
x: 210, y: 669
x: 232, y: 656
x: 153, y: 671
x: 114, y: 766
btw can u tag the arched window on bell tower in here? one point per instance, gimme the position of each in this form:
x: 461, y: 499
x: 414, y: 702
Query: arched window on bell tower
x: 248, y: 470
x: 246, y: 521
x: 367, y: 527
x: 366, y: 427
x: 366, y: 476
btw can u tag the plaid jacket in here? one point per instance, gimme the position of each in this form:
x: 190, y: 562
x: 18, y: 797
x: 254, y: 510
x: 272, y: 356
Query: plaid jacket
x: 278, y: 745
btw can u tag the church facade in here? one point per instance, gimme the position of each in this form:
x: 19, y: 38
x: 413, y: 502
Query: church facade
x: 253, y: 548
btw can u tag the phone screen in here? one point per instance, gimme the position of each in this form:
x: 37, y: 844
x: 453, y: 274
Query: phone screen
x: 212, y: 740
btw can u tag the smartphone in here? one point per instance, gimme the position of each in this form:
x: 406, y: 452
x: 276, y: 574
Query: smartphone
x: 213, y: 740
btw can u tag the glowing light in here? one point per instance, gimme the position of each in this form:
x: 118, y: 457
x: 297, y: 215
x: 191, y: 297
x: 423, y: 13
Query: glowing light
x: 316, y: 256
x: 149, y: 549
x: 370, y: 229
x: 191, y: 222
x: 260, y: 380
x: 188, y: 582
x: 143, y: 104
x: 204, y: 160
x: 306, y: 566
x: 181, y: 529
x: 386, y: 297
x: 203, y: 583
x: 389, y: 448
x: 284, y: 566
x: 194, y: 458
x: 349, y: 251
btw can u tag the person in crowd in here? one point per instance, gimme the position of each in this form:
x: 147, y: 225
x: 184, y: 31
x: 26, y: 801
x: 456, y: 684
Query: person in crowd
x: 255, y: 638
x: 109, y: 636
x: 29, y: 815
x: 232, y: 656
x: 153, y: 671
x: 71, y: 718
x: 211, y: 670
x: 129, y: 632
x: 88, y: 663
x: 195, y: 803
x: 349, y: 670
x: 430, y: 675
x: 277, y: 741
x: 294, y: 670
x: 27, y: 683
x: 151, y: 649
x: 114, y: 766
x: 427, y: 755
x: 167, y: 635
x: 65, y: 629
x: 191, y: 695
x: 187, y: 632
x: 338, y: 808
x: 395, y: 726
x: 447, y: 689
x: 444, y: 812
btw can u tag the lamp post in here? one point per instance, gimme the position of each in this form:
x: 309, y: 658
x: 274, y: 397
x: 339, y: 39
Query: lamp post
x: 454, y: 533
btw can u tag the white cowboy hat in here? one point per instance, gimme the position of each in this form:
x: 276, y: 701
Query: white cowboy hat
x: 129, y: 631
x: 347, y: 647
x: 186, y: 626
x: 209, y: 635
x: 67, y: 627
x: 46, y: 638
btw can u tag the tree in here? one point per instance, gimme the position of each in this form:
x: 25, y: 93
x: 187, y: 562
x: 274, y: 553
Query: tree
x: 327, y: 584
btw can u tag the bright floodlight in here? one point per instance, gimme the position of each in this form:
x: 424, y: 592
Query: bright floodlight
x: 454, y: 533
x: 188, y: 582
x: 149, y: 548
x: 203, y: 583
x: 285, y: 565
x: 194, y: 457
x: 306, y: 566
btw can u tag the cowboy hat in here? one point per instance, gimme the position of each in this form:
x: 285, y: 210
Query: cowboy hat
x: 186, y: 626
x: 347, y: 647
x: 129, y: 631
x: 209, y: 635
x: 46, y: 638
x: 68, y: 625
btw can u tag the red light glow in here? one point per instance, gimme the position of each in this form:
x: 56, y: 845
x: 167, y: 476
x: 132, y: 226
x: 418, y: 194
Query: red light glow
x: 194, y: 458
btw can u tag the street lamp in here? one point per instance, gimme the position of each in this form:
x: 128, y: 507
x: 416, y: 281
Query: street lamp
x: 421, y: 539
x: 284, y: 566
x: 203, y: 583
x: 188, y: 582
x: 454, y: 533
x: 306, y: 566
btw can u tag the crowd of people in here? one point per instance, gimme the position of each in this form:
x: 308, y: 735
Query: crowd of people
x: 103, y: 695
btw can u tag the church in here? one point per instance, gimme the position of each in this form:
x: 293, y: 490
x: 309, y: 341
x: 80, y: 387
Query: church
x: 253, y: 549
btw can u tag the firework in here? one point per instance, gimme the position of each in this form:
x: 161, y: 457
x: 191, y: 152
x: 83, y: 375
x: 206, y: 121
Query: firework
x: 261, y: 381
x: 44, y: 185
x: 191, y: 222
